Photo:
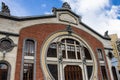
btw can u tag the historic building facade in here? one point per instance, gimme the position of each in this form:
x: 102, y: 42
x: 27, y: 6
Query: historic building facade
x: 53, y: 47
x: 115, y: 42
x: 114, y: 39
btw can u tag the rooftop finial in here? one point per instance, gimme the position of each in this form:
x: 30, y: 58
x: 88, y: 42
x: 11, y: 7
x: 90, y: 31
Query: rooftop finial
x: 106, y: 34
x: 66, y: 5
x: 5, y: 9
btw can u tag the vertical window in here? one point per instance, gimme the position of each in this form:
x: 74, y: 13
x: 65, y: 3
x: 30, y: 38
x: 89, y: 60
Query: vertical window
x: 63, y: 50
x: 28, y: 60
x: 78, y: 52
x: 89, y: 71
x: 29, y: 48
x: 28, y: 71
x: 100, y: 55
x: 53, y: 70
x: 52, y: 50
x: 87, y: 54
x: 104, y: 73
x: 114, y: 73
x: 3, y: 71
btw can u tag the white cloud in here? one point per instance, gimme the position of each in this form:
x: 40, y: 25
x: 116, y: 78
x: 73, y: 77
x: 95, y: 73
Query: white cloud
x: 15, y: 8
x: 95, y: 14
x: 114, y: 12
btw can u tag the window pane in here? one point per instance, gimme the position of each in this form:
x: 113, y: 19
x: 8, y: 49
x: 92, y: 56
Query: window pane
x: 89, y: 71
x: 63, y: 40
x: 87, y: 54
x: 3, y: 71
x: 71, y: 52
x: 78, y: 52
x: 104, y: 73
x: 78, y: 55
x: 100, y: 56
x: 77, y: 43
x: 71, y: 41
x: 114, y: 73
x: 52, y: 50
x: 53, y: 70
x: 63, y: 50
x: 28, y: 71
x: 29, y: 48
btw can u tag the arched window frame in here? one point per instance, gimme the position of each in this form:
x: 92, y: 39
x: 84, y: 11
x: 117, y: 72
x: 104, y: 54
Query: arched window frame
x: 9, y: 68
x: 103, y: 65
x: 28, y: 59
x: 67, y: 59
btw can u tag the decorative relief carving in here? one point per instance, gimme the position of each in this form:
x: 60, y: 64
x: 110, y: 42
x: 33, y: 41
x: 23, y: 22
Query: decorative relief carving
x: 106, y: 34
x: 65, y: 17
x: 5, y: 9
x: 118, y: 45
x: 6, y: 44
x: 66, y: 5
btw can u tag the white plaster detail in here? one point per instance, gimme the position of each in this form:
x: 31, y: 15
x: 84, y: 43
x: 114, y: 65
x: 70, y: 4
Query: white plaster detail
x: 65, y: 17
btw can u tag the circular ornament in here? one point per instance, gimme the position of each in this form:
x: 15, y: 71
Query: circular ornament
x: 6, y: 44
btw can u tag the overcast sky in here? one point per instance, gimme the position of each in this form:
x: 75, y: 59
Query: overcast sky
x: 101, y: 15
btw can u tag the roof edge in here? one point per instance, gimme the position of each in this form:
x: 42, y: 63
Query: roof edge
x: 23, y: 18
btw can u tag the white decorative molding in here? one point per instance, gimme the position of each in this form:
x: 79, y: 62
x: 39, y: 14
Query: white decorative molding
x: 65, y: 17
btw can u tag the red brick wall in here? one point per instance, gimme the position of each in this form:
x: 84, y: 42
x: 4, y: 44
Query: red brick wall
x: 40, y: 33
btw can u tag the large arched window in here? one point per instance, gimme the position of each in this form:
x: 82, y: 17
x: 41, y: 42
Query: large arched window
x: 4, y: 71
x: 67, y: 57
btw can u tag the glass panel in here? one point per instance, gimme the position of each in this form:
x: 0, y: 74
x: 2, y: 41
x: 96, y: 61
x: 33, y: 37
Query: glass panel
x: 53, y: 70
x: 114, y: 73
x: 52, y: 50
x: 100, y: 56
x: 78, y: 52
x: 78, y: 55
x: 28, y: 71
x: 104, y: 73
x: 63, y: 50
x: 87, y: 54
x: 71, y: 52
x: 71, y: 41
x: 77, y: 43
x: 63, y: 40
x: 3, y: 71
x: 89, y: 71
x: 29, y: 47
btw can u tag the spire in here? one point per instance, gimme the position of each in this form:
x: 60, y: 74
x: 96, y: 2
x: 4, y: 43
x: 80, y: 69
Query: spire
x: 5, y: 9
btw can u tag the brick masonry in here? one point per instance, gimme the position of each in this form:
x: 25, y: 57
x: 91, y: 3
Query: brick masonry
x: 40, y: 33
